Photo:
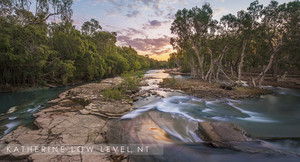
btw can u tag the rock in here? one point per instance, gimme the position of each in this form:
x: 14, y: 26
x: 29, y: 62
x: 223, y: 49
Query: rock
x: 113, y: 81
x: 78, y: 116
x: 89, y: 106
x: 12, y: 109
x: 2, y: 129
x: 220, y: 134
x: 84, y: 112
x: 135, y: 98
x: 66, y: 103
x: 3, y: 117
x: 144, y: 83
x: 230, y: 135
x: 226, y: 86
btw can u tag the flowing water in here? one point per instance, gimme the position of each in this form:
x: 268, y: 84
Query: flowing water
x: 172, y: 121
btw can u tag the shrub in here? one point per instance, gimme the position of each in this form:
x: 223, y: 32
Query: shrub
x: 170, y: 81
x: 113, y: 93
x: 130, y: 82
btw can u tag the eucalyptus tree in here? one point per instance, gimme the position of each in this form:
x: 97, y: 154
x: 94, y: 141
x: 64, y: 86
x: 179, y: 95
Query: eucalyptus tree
x: 90, y: 27
x: 201, y: 19
x: 272, y: 31
x: 247, y: 26
x: 193, y: 28
x: 31, y: 12
x: 280, y: 28
x: 181, y: 26
x: 293, y: 32
x: 260, y: 38
x: 288, y: 58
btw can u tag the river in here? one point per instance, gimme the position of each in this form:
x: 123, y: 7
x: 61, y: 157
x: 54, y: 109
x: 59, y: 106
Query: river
x: 16, y: 108
x: 171, y: 120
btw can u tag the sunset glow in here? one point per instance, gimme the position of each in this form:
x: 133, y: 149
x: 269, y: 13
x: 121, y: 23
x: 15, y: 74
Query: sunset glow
x: 145, y: 24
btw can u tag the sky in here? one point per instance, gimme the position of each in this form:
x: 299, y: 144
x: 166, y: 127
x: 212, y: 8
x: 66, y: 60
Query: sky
x: 145, y: 24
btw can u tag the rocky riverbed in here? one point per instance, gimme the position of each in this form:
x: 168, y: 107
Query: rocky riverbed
x: 204, y: 89
x: 189, y: 126
x: 78, y: 116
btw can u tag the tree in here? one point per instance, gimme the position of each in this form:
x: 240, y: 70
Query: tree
x: 256, y: 40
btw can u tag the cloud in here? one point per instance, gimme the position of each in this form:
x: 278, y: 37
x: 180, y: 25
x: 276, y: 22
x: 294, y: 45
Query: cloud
x: 170, y: 13
x: 152, y: 45
x: 131, y: 32
x: 131, y: 14
x: 220, y: 11
x: 162, y: 51
x: 135, y: 5
x: 153, y: 24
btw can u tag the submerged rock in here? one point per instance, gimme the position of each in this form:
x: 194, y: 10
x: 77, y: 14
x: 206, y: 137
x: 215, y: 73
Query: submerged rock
x: 11, y: 110
x: 231, y: 136
x: 221, y: 134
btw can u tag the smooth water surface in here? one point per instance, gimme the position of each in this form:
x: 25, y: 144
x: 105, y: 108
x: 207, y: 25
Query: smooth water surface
x: 22, y: 105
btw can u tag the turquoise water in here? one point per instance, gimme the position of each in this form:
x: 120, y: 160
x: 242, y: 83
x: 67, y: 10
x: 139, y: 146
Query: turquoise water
x: 25, y: 103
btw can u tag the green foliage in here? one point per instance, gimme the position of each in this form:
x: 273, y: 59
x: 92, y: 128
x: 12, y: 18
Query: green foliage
x: 139, y: 74
x: 257, y: 39
x: 130, y: 82
x: 113, y: 94
x: 34, y: 53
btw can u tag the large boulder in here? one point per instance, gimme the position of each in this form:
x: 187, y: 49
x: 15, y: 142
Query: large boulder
x: 231, y: 136
x: 221, y: 134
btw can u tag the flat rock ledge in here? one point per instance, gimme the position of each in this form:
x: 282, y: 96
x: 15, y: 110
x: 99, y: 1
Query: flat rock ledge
x: 78, y: 116
x: 231, y: 136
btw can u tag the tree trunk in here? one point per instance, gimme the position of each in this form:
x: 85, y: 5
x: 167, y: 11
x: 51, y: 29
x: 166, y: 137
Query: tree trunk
x: 263, y: 73
x: 231, y: 68
x: 193, y: 71
x: 210, y: 71
x: 282, y: 78
x: 200, y: 61
x: 219, y: 64
x: 242, y: 61
x: 226, y: 75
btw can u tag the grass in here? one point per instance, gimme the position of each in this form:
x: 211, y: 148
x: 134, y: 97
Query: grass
x: 252, y: 90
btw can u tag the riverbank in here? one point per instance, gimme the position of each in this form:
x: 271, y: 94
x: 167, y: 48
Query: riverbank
x: 78, y: 116
x: 290, y: 81
x: 8, y: 88
x: 204, y: 89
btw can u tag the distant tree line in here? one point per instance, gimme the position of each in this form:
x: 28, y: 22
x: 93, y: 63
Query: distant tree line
x: 260, y: 39
x: 34, y: 52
